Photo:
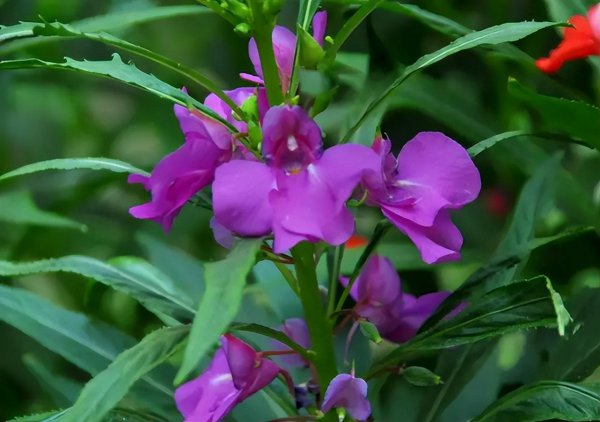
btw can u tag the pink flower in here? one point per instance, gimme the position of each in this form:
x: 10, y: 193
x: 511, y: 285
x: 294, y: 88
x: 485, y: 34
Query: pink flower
x: 190, y: 168
x: 236, y: 372
x: 284, y: 47
x: 300, y: 192
x: 350, y: 393
x: 432, y: 175
x: 380, y: 299
x: 297, y: 330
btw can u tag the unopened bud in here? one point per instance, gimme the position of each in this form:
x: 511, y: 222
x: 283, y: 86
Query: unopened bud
x: 421, y: 377
x: 311, y: 52
x: 370, y: 331
x: 243, y: 29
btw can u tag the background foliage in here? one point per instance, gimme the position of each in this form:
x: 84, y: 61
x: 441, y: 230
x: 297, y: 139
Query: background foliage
x: 472, y: 96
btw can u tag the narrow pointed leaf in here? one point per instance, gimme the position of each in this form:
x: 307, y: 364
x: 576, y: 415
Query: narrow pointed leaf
x: 106, y: 389
x: 89, y: 163
x: 545, y: 400
x: 225, y: 281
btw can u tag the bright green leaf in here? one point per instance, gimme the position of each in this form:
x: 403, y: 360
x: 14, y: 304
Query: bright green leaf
x: 225, y: 281
x: 96, y: 163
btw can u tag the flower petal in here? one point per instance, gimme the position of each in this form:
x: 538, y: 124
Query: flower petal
x: 240, y: 197
x: 284, y: 47
x: 440, y: 242
x: 413, y: 313
x: 350, y: 393
x: 439, y: 173
x: 319, y: 26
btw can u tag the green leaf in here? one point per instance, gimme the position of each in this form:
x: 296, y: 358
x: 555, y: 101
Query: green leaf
x: 96, y: 163
x: 111, y: 22
x: 576, y: 118
x: 486, y: 144
x: 17, y: 207
x: 522, y: 305
x: 545, y: 400
x: 437, y: 22
x: 133, y: 276
x: 561, y: 10
x: 62, y: 30
x: 117, y: 70
x: 50, y: 416
x: 106, y: 389
x: 225, y: 281
x: 508, y: 32
x: 578, y: 356
x: 369, y: 330
x: 306, y: 12
x: 90, y: 345
x: 63, y: 391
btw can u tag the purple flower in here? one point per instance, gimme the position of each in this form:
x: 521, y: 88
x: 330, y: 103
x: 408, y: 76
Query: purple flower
x: 236, y: 372
x: 379, y: 298
x: 284, y: 47
x: 297, y: 330
x: 190, y: 168
x: 300, y: 192
x: 350, y: 393
x: 432, y: 175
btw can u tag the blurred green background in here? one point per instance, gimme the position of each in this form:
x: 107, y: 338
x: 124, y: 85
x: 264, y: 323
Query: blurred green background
x: 53, y: 114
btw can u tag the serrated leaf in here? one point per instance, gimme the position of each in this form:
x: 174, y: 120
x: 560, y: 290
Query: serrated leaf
x: 95, y: 163
x: 117, y: 70
x: 225, y: 281
x: 545, y: 400
x: 522, y: 305
x: 109, y: 22
x: 575, y: 118
x: 106, y: 389
x: 508, y: 32
x: 133, y: 276
x: 17, y: 207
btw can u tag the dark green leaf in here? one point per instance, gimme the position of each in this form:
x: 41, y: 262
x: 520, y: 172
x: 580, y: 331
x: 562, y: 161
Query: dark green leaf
x: 63, y: 391
x: 133, y: 276
x: 499, y: 34
x: 545, y: 400
x: 117, y: 70
x: 106, y: 389
x: 17, y: 207
x: 96, y: 163
x: 225, y: 281
x: 576, y: 118
x: 522, y: 305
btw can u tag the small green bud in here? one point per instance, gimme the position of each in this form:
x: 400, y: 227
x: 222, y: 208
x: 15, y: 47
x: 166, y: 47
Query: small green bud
x: 243, y: 29
x: 250, y: 107
x: 311, y: 52
x: 255, y: 135
x: 370, y: 331
x: 421, y: 377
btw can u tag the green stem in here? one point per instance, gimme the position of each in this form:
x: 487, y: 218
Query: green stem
x: 263, y: 30
x: 334, y: 263
x: 380, y: 230
x: 319, y: 327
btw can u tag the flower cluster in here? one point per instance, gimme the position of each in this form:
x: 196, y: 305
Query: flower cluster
x: 580, y: 41
x: 284, y: 183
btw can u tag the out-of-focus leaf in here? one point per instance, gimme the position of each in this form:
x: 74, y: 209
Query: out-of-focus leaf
x: 576, y: 118
x: 106, y: 389
x: 115, y: 415
x: 578, y: 356
x: 456, y: 366
x: 522, y: 305
x: 96, y: 163
x: 110, y: 22
x: 225, y: 281
x: 437, y: 22
x: 117, y: 70
x: 185, y: 270
x: 499, y: 34
x: 63, y: 391
x: 17, y: 207
x: 91, y: 345
x: 545, y: 400
x: 133, y: 276
x: 561, y: 10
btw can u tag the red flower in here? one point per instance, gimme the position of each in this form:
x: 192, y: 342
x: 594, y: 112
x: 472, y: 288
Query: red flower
x: 580, y: 41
